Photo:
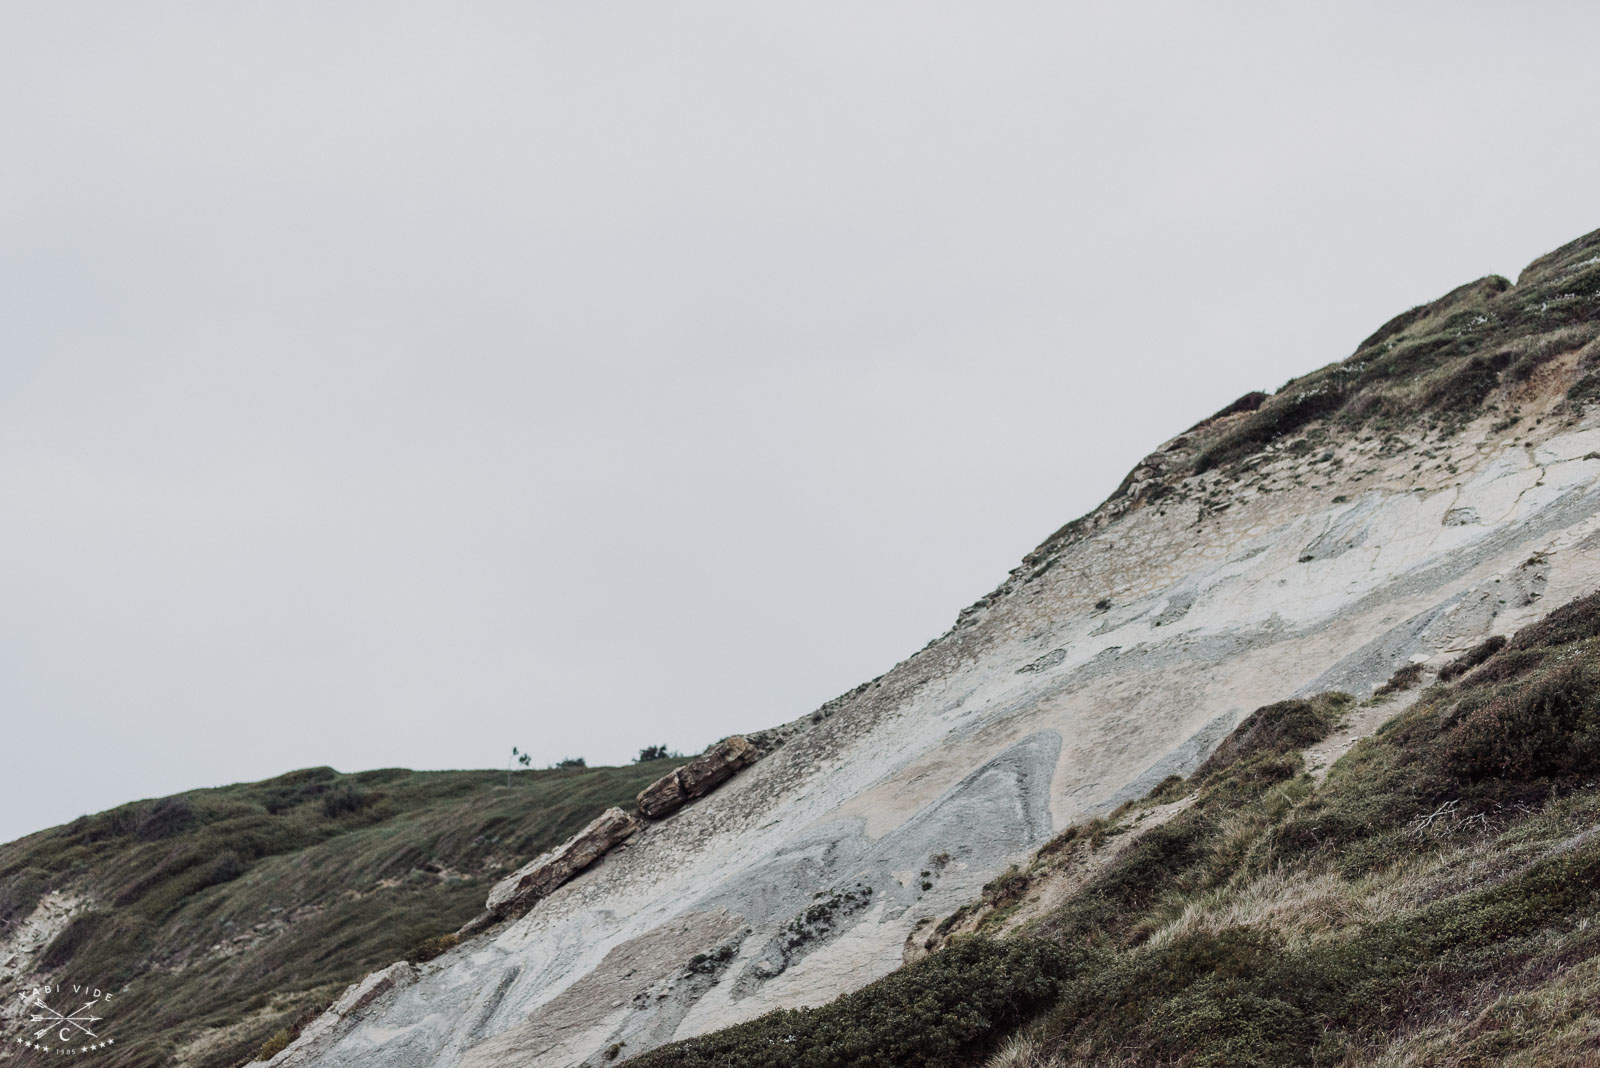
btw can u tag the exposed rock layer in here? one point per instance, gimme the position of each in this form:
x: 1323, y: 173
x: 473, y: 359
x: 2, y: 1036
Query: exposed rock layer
x: 1219, y: 578
x: 697, y: 778
x: 518, y: 892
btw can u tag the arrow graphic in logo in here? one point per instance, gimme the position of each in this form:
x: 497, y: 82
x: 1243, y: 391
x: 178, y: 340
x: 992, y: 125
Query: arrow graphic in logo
x: 79, y: 1019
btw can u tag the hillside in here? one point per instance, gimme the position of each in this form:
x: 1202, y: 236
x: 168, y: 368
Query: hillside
x: 226, y: 915
x: 1286, y: 753
x: 1431, y: 900
x: 1408, y: 878
x: 1390, y: 511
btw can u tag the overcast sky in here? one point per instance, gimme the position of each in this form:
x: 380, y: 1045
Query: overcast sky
x: 392, y: 384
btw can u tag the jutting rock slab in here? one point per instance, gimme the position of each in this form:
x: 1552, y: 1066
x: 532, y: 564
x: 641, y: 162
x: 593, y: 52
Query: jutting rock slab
x: 517, y: 893
x: 698, y: 777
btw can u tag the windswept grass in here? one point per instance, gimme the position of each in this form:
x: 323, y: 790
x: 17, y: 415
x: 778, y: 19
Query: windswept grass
x: 245, y: 907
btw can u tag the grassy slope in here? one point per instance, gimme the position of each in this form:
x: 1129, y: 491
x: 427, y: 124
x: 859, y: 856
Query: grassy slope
x: 1473, y: 352
x: 231, y: 912
x: 1443, y: 363
x: 1432, y: 902
x: 1272, y: 922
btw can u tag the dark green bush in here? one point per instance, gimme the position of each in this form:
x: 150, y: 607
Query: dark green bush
x: 164, y: 818
x: 1571, y: 622
x: 1472, y: 658
x: 1209, y: 997
x: 273, y: 1046
x: 1278, y: 418
x: 1465, y: 387
x: 20, y: 892
x: 1247, y: 403
x: 1008, y: 887
x: 224, y: 868
x: 1169, y: 789
x: 1547, y: 728
x: 945, y: 1011
x: 1404, y: 677
x: 342, y: 800
x: 1165, y: 858
x: 1508, y: 664
x: 77, y: 934
x: 1276, y: 729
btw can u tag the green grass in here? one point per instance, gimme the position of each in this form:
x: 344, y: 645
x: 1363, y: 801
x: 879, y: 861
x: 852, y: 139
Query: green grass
x: 937, y: 1013
x: 305, y: 882
x: 1440, y: 364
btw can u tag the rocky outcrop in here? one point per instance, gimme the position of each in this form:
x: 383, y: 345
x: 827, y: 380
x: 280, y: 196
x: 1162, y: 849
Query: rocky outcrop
x: 698, y: 777
x: 331, y: 1023
x: 23, y: 941
x: 662, y: 797
x: 373, y: 987
x: 517, y: 893
x: 1305, y: 558
x: 510, y: 898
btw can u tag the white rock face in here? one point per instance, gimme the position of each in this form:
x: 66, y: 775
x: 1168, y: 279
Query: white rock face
x: 1116, y: 658
x: 22, y: 944
x: 331, y: 1024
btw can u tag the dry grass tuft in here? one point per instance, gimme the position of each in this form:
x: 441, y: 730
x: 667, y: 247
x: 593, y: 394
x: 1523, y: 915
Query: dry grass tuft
x: 1023, y: 1052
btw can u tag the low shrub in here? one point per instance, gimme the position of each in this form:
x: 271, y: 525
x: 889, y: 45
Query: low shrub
x: 1405, y: 676
x: 1571, y: 622
x: 1165, y: 858
x: 342, y: 800
x: 20, y: 892
x: 1277, y: 418
x: 1472, y: 658
x: 1005, y: 889
x: 1169, y: 789
x: 1276, y: 729
x: 1210, y: 997
x: 273, y: 1046
x: 76, y: 935
x: 1585, y: 391
x: 1247, y: 403
x: 945, y: 1011
x: 224, y: 867
x: 164, y: 819
x: 1465, y: 387
x: 1547, y: 728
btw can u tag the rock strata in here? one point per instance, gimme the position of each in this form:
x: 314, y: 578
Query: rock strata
x: 662, y: 797
x: 698, y: 777
x: 517, y: 893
